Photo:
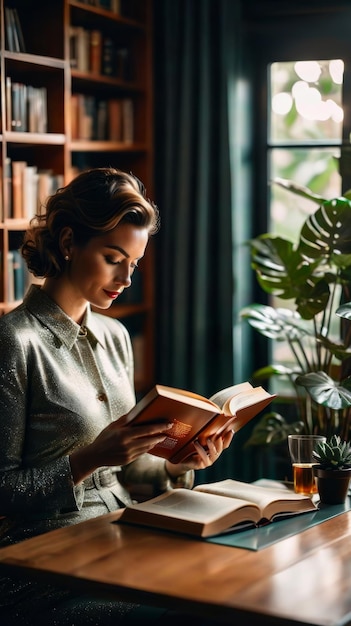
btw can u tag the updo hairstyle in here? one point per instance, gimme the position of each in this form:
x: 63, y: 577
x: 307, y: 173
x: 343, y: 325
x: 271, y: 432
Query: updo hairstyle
x: 92, y: 204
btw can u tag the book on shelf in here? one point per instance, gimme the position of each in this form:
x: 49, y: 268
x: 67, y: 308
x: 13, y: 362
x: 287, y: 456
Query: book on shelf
x: 10, y: 277
x: 127, y: 120
x: 8, y: 98
x: 114, y: 121
x: 18, y: 33
x: 18, y: 168
x: 86, y: 116
x: 100, y: 124
x: 95, y: 57
x: 7, y: 188
x: 29, y: 188
x: 30, y: 191
x: 79, y: 46
x: 116, y: 6
x: 26, y: 107
x: 13, y: 29
x: 19, y: 275
x: 108, y: 61
x: 9, y: 29
x: 217, y: 508
x: 195, y: 417
x: 74, y: 110
x: 17, y: 106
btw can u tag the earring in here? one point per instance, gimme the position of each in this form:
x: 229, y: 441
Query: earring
x: 66, y: 257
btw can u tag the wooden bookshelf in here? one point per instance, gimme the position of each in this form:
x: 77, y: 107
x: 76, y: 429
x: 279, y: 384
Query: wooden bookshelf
x: 87, y: 68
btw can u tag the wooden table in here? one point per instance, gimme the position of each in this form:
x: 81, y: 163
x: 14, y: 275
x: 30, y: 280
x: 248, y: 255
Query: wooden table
x: 305, y: 579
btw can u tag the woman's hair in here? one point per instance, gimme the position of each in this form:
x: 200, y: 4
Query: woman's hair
x: 92, y: 204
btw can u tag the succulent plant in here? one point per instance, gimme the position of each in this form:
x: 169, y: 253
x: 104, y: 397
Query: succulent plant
x: 333, y: 454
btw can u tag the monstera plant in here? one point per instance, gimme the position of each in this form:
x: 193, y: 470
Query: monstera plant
x: 314, y: 275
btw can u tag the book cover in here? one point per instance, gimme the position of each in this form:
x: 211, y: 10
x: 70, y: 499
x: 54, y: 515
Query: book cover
x: 17, y: 189
x: 194, y: 416
x: 95, y: 51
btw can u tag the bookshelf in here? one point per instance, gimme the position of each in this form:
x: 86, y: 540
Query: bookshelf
x: 76, y: 92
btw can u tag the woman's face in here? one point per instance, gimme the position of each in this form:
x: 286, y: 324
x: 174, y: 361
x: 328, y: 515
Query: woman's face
x: 103, y: 268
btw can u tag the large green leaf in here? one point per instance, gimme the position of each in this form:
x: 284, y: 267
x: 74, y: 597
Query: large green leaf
x: 326, y: 234
x: 272, y: 429
x: 325, y: 391
x: 279, y: 268
x: 312, y: 297
x: 276, y: 323
x: 266, y: 372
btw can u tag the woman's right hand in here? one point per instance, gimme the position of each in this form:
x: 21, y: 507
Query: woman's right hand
x: 116, y: 445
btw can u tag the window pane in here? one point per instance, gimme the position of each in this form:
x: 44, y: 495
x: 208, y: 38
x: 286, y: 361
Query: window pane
x: 306, y: 101
x: 316, y: 169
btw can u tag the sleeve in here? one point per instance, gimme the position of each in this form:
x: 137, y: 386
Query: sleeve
x: 47, y: 487
x: 147, y: 477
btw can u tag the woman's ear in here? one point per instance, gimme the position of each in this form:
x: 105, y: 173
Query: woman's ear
x: 66, y: 242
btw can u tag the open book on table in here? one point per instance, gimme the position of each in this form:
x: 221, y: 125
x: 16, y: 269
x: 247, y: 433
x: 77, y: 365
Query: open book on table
x: 195, y: 417
x: 215, y: 508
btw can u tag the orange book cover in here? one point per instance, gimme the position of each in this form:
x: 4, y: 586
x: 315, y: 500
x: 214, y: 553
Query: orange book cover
x: 95, y: 51
x: 195, y: 417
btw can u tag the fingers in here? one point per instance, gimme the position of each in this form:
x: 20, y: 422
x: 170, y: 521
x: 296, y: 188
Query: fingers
x: 227, y: 439
x: 150, y: 430
x: 211, y: 454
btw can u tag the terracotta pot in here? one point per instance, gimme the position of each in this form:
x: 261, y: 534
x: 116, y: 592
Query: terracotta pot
x: 332, y: 484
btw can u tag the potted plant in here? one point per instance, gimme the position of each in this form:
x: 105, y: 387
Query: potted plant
x: 333, y: 469
x: 314, y: 275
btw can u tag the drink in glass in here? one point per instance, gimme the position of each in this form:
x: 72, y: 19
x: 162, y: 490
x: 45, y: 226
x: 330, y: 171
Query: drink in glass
x: 301, y: 448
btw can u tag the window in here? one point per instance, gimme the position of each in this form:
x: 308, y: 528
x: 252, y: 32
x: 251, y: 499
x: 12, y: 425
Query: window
x: 302, y: 116
x: 304, y: 136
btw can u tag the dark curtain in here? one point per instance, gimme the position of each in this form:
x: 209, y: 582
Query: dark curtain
x: 202, y: 183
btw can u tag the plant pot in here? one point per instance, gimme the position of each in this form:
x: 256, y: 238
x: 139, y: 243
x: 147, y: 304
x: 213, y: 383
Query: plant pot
x: 332, y: 484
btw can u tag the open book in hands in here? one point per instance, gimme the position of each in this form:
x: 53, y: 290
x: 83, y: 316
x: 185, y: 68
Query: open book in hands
x: 215, y: 508
x: 195, y: 417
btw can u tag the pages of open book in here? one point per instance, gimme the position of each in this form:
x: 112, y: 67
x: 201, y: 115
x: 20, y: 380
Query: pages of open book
x: 252, y: 493
x: 222, y: 396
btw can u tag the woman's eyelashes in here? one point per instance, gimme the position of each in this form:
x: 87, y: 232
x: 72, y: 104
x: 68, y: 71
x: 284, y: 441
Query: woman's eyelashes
x: 113, y: 261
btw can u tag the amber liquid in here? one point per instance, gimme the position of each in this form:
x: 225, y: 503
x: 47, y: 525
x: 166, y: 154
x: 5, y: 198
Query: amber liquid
x: 304, y: 481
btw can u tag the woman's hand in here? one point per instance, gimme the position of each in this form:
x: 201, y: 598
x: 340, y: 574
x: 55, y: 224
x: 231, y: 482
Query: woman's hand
x: 116, y: 445
x: 202, y: 458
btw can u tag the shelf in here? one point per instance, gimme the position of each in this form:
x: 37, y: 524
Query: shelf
x: 47, y: 65
x: 57, y: 139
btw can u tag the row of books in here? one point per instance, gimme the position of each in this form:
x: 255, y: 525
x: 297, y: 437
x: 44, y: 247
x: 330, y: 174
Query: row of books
x: 92, y: 51
x: 13, y: 30
x: 27, y: 188
x: 97, y: 119
x: 26, y: 107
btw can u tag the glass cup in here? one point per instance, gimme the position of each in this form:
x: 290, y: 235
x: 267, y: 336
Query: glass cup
x: 300, y: 449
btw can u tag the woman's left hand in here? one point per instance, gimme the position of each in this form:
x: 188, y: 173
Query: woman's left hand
x: 202, y: 458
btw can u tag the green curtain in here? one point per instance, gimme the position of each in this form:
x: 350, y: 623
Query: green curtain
x: 202, y: 188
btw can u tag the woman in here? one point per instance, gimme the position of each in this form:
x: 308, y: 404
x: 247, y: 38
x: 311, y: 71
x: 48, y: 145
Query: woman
x: 66, y: 375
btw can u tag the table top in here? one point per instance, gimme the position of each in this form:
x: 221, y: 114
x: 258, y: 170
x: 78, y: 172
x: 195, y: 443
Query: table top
x: 304, y: 579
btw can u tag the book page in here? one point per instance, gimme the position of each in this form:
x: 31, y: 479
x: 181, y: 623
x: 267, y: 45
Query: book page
x: 185, y: 510
x: 182, y: 504
x: 245, y: 399
x: 222, y: 396
x: 282, y: 501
